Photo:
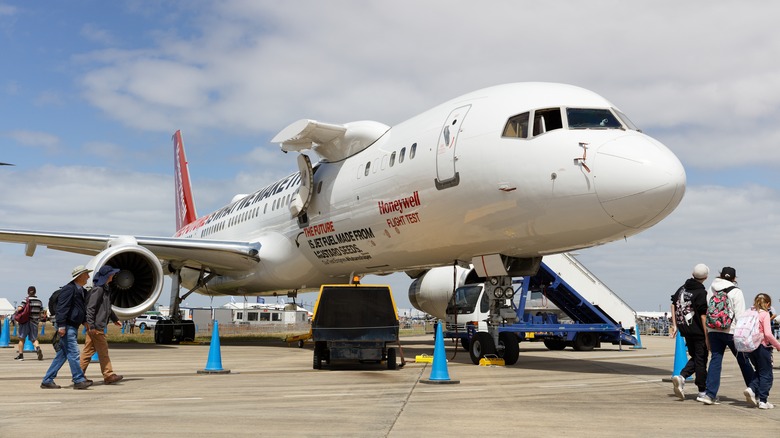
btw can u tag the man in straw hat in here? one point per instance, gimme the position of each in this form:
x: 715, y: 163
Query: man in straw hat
x: 71, y: 313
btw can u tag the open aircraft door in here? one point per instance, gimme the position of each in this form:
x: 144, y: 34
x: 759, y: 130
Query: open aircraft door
x: 300, y: 202
x: 446, y: 173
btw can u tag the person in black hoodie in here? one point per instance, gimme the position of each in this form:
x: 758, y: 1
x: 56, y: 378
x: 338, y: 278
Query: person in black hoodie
x: 689, y: 312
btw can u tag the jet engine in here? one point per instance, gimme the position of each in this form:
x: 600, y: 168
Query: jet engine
x: 138, y: 284
x: 431, y: 291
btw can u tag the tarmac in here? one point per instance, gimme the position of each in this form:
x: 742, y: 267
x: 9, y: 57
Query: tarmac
x: 272, y: 390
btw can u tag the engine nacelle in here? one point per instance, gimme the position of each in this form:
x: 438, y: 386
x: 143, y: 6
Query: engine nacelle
x: 432, y: 291
x: 138, y: 284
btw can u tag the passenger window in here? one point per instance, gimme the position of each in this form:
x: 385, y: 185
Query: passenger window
x: 368, y: 167
x: 413, y: 151
x: 319, y: 187
x: 401, y: 155
x: 546, y: 120
x: 517, y: 126
x: 392, y: 159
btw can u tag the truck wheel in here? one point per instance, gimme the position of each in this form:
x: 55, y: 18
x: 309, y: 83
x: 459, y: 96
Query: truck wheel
x: 555, y: 344
x: 481, y: 345
x: 585, y: 341
x: 511, y: 350
x: 391, y: 365
x: 318, y: 353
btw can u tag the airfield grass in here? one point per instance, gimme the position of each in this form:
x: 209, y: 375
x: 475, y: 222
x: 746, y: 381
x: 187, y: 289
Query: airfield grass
x: 226, y: 336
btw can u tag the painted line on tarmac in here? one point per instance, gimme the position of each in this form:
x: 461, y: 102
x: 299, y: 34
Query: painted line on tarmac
x: 149, y: 400
x: 31, y: 403
x: 450, y: 390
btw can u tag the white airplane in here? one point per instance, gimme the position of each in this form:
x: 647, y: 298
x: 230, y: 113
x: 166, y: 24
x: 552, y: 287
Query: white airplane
x: 482, y: 185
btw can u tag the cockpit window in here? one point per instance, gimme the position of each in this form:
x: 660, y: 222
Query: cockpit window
x: 517, y: 126
x: 626, y: 121
x: 547, y: 119
x: 592, y: 118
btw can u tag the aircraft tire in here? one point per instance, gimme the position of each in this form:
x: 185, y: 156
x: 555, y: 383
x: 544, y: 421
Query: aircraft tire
x: 481, y: 345
x: 391, y: 365
x: 511, y: 351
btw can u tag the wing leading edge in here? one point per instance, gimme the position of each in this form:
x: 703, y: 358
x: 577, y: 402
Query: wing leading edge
x: 217, y: 256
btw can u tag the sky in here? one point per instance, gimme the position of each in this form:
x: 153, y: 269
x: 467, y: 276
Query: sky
x: 91, y: 92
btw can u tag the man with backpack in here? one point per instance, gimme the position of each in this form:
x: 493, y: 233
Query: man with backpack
x: 71, y: 313
x: 725, y: 305
x: 28, y: 328
x: 689, y: 311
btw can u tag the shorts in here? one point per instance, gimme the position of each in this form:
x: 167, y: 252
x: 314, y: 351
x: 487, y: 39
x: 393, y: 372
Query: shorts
x: 29, y: 329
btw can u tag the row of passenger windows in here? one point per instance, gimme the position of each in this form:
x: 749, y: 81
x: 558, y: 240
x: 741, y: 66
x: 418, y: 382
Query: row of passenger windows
x: 249, y: 214
x: 401, y: 155
x: 549, y: 119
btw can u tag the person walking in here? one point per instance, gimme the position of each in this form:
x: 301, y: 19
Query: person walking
x: 757, y: 391
x: 71, y: 313
x: 98, y: 314
x: 29, y: 329
x: 721, y: 338
x: 689, y: 314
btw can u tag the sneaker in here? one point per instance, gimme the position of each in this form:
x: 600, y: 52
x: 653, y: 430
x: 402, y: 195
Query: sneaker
x: 765, y: 405
x: 82, y: 385
x: 679, y: 386
x: 50, y: 385
x: 701, y: 394
x: 750, y: 397
x: 19, y: 357
x: 707, y: 400
x: 113, y: 379
x: 40, y: 353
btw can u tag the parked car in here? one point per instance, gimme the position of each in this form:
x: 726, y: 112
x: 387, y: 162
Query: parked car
x: 147, y: 321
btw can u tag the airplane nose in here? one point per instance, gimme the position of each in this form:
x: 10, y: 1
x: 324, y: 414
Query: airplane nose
x: 638, y: 180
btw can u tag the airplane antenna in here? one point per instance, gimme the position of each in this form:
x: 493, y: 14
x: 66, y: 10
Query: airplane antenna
x: 584, y: 156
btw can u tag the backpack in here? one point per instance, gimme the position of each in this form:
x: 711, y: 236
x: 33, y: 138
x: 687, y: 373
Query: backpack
x: 747, y: 332
x: 53, y: 302
x: 719, y: 312
x: 23, y: 316
x: 683, y: 311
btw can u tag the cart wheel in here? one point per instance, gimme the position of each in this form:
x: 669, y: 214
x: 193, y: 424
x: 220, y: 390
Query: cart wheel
x: 300, y: 343
x: 481, y: 345
x: 391, y: 365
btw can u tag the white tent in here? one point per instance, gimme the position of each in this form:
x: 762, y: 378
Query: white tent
x: 6, y: 308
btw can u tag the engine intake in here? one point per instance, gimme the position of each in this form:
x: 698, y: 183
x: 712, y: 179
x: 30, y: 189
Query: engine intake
x: 431, y: 291
x: 138, y: 284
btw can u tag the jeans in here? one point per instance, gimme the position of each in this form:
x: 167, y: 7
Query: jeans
x: 69, y: 350
x: 762, y: 382
x: 718, y: 343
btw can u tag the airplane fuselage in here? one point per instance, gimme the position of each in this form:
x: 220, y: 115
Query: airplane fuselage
x: 464, y: 179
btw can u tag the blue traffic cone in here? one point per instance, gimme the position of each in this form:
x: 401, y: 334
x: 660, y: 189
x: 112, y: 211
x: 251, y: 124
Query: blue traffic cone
x: 439, y: 373
x: 214, y: 362
x: 638, y: 339
x: 28, y: 346
x: 5, y: 336
x: 15, y: 326
x: 680, y: 355
x: 142, y: 329
x: 94, y: 357
x: 43, y: 328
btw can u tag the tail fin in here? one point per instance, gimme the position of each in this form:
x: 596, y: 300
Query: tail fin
x: 185, y: 206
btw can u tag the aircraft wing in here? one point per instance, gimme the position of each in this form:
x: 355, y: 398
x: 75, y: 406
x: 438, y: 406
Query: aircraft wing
x: 218, y: 256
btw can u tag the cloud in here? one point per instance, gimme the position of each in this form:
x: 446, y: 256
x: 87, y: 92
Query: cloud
x: 36, y: 139
x: 92, y: 32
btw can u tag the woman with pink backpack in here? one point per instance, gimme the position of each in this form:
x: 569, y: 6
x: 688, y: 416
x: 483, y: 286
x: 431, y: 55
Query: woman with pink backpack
x: 757, y: 391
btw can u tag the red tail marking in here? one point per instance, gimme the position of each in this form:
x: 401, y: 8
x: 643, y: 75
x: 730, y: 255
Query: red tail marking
x: 185, y: 206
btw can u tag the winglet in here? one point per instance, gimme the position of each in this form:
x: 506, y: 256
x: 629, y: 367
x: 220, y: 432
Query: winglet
x: 185, y: 206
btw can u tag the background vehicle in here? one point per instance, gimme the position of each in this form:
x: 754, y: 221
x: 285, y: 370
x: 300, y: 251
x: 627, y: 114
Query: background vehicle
x: 147, y: 321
